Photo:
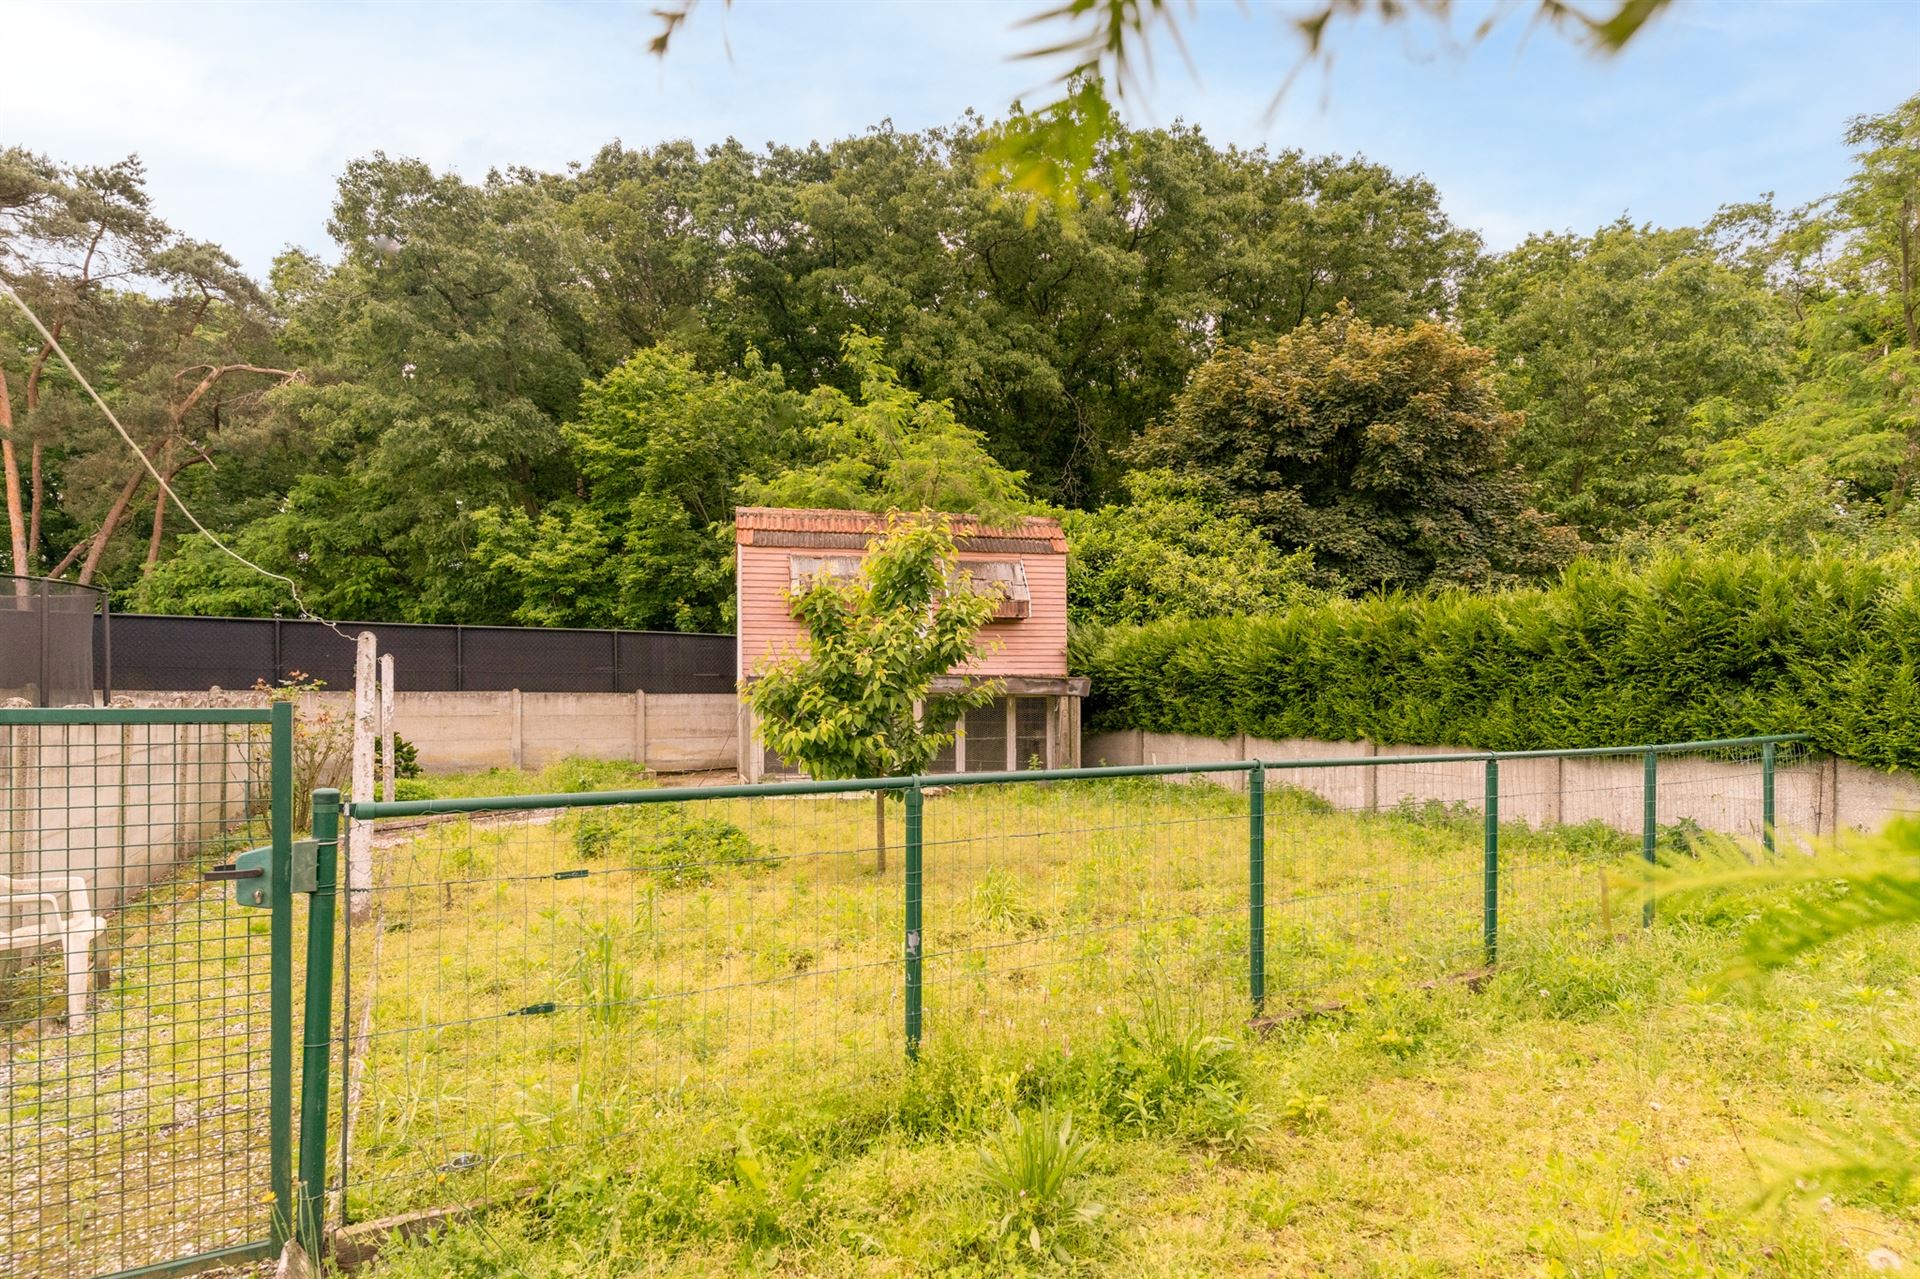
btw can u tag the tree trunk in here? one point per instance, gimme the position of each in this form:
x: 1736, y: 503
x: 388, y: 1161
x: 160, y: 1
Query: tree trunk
x: 33, y: 519
x: 107, y: 526
x: 880, y: 831
x: 1906, y: 274
x: 10, y: 462
x: 159, y: 519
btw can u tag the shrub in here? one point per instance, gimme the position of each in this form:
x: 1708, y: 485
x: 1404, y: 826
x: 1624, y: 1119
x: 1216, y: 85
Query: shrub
x: 677, y: 847
x: 1686, y: 646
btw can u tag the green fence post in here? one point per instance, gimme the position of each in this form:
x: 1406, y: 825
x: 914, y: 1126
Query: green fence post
x: 1766, y: 796
x: 1490, y: 865
x: 1649, y: 822
x: 318, y: 1022
x: 280, y: 967
x: 915, y: 939
x: 1257, y: 885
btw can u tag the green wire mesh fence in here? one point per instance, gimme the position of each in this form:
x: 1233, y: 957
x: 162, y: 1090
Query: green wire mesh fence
x: 523, y: 977
x: 144, y: 1079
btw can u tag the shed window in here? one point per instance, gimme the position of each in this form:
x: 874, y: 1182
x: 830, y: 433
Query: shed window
x: 802, y: 569
x: 1005, y: 579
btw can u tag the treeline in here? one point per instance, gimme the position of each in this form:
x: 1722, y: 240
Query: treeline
x: 1247, y: 379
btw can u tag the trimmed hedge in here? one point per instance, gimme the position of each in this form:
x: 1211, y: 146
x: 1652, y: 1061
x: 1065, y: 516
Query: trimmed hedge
x: 1686, y: 646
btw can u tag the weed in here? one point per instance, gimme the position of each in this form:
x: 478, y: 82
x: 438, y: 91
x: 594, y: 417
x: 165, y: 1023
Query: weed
x: 1033, y: 1175
x: 675, y: 847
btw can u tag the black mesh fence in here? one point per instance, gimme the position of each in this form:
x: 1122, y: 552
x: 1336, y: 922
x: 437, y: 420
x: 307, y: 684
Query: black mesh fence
x: 47, y: 641
x: 191, y: 653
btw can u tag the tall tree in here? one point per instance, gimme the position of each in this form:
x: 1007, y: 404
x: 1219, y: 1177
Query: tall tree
x: 661, y: 448
x: 1606, y: 344
x: 1383, y: 451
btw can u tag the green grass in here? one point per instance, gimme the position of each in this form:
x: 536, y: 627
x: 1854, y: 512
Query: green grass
x: 720, y: 1085
x: 569, y: 776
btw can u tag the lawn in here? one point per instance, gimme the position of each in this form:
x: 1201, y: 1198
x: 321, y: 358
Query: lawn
x: 690, y: 1057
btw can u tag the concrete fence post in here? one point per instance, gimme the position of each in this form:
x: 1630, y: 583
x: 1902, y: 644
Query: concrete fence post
x: 516, y: 739
x: 389, y: 766
x: 640, y: 727
x: 365, y: 725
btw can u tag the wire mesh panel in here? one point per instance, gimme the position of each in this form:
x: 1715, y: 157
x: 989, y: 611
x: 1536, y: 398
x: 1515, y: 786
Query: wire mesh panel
x: 1050, y: 907
x: 530, y: 979
x: 513, y: 974
x: 135, y: 1011
x: 1373, y: 873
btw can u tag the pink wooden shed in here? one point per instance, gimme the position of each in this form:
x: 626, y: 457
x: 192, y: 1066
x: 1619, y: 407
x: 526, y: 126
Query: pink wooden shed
x: 1036, y: 721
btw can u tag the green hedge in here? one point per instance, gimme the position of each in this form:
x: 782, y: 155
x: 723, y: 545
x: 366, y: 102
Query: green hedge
x: 1687, y: 646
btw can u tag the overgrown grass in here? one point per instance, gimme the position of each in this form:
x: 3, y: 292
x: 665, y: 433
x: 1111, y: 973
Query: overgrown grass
x: 690, y: 1059
x: 570, y: 776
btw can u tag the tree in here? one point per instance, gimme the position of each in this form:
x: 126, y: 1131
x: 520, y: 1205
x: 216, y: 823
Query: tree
x: 1880, y: 209
x: 1169, y: 553
x: 1382, y: 451
x: 864, y: 697
x: 182, y: 341
x: 660, y: 447
x: 1606, y: 344
x: 892, y: 449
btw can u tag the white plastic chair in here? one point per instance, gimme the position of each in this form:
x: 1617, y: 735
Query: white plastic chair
x: 34, y: 914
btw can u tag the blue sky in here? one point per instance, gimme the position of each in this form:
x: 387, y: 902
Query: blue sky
x: 246, y: 113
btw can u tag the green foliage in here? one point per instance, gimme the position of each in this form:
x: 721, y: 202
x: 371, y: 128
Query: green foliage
x: 1033, y: 1174
x: 660, y: 447
x: 1169, y: 553
x: 674, y: 846
x: 1683, y: 647
x: 1607, y: 343
x: 1381, y: 451
x: 406, y: 758
x: 1165, y: 1071
x: 893, y: 449
x: 860, y: 700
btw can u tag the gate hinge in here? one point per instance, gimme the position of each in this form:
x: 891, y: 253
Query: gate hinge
x: 251, y: 873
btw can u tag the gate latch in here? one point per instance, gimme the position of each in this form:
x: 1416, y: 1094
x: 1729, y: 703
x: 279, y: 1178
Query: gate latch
x: 252, y: 873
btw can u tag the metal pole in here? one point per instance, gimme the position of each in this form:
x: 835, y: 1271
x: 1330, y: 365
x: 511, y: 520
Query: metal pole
x: 1257, y: 886
x: 46, y: 645
x: 106, y: 648
x: 915, y: 938
x: 318, y: 1027
x: 1649, y: 824
x: 280, y: 999
x: 1766, y: 796
x: 1490, y: 867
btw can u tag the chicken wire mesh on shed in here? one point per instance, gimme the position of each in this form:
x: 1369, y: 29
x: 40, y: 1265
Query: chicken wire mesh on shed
x: 47, y: 641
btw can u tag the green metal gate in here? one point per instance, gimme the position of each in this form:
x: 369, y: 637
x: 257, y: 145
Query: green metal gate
x: 146, y: 1029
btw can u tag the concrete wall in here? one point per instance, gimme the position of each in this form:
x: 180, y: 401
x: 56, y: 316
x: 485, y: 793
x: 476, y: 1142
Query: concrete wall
x: 122, y: 804
x: 669, y: 732
x: 1813, y: 795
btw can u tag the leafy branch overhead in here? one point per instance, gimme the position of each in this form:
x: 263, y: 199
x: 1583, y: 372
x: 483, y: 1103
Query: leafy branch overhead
x: 1053, y: 152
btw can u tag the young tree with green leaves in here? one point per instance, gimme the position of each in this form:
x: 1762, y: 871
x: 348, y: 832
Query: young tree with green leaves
x: 868, y: 695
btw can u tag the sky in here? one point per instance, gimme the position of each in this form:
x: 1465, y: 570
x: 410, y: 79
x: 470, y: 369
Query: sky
x: 245, y: 114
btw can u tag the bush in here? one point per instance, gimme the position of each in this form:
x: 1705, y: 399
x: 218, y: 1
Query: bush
x: 676, y: 847
x: 1684, y: 647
